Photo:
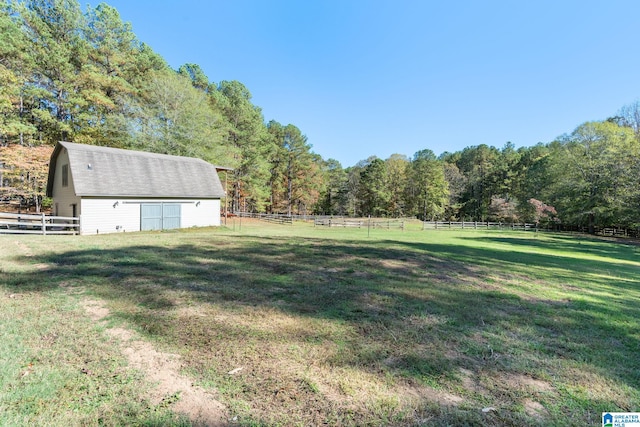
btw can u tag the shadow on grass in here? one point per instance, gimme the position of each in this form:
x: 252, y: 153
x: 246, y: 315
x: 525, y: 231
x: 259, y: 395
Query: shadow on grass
x: 417, y: 310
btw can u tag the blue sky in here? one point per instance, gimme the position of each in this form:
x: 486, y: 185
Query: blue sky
x: 377, y: 77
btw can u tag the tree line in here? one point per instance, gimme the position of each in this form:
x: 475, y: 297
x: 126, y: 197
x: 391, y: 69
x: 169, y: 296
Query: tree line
x: 83, y: 76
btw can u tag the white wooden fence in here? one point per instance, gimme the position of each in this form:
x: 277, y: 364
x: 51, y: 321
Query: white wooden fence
x: 12, y: 223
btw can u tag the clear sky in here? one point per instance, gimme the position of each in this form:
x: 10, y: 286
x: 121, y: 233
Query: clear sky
x: 378, y: 77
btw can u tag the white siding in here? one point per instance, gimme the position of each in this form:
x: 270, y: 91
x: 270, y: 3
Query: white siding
x: 205, y: 214
x: 64, y: 197
x: 100, y: 216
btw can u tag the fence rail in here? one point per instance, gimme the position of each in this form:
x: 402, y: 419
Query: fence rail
x: 12, y: 223
x: 388, y: 224
x: 401, y: 223
x: 358, y: 223
x: 435, y: 225
x: 276, y: 218
x: 340, y: 222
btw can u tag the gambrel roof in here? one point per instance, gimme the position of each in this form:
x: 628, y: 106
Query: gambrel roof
x: 112, y: 172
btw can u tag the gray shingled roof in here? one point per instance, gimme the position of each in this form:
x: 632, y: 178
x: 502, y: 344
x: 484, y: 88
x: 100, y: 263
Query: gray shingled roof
x: 106, y: 172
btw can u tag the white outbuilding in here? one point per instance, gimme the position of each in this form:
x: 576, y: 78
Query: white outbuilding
x: 113, y: 190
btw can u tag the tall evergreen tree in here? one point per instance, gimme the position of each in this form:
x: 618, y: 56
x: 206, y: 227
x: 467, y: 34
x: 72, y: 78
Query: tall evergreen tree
x: 15, y: 69
x: 54, y: 30
x: 295, y: 173
x: 477, y: 164
x: 373, y: 191
x: 250, y: 144
x: 108, y: 80
x: 427, y: 189
x: 198, y: 78
x: 333, y: 200
x: 397, y: 165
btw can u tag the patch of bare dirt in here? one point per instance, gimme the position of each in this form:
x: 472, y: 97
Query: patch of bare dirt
x: 517, y: 381
x: 441, y: 397
x: 95, y: 309
x: 468, y: 380
x: 535, y: 409
x: 198, y: 404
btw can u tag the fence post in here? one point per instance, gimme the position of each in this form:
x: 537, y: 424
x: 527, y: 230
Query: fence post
x: 44, y: 227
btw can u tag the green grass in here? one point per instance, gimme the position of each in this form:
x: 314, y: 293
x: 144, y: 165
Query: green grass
x: 343, y: 327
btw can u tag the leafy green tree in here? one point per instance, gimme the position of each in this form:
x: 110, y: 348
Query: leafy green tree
x: 312, y: 186
x: 198, y: 78
x: 107, y: 81
x: 427, y: 191
x: 14, y: 69
x: 349, y: 194
x: 456, y: 184
x: 397, y: 165
x: 332, y: 200
x: 58, y: 51
x: 533, y: 180
x: 177, y: 119
x: 593, y: 175
x: 477, y: 164
x: 373, y: 194
x: 505, y: 177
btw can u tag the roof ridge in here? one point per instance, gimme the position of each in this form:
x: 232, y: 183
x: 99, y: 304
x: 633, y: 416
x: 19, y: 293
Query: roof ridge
x: 126, y: 152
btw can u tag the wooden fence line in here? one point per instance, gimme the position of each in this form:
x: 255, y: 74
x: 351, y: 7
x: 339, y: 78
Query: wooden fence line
x: 276, y: 218
x: 435, y: 225
x: 12, y: 223
x: 342, y: 221
x: 388, y: 224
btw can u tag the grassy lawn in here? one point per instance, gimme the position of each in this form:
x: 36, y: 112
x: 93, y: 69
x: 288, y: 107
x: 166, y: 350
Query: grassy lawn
x: 328, y: 326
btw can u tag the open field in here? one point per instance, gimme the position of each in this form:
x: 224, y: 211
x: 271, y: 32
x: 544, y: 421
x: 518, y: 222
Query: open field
x: 295, y: 325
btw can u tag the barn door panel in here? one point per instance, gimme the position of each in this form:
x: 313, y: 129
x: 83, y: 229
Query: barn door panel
x: 151, y: 216
x: 170, y: 216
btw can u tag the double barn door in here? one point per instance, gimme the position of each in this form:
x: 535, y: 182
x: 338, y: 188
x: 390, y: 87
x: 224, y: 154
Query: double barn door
x: 159, y: 216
